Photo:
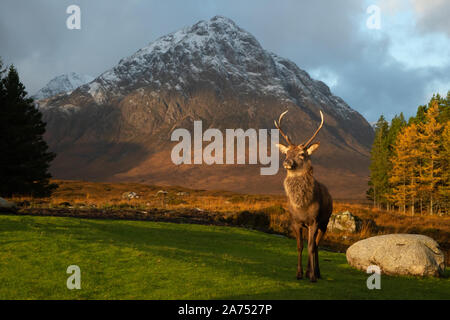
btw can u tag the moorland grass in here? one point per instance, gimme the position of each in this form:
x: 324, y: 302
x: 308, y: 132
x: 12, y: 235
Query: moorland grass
x: 148, y: 260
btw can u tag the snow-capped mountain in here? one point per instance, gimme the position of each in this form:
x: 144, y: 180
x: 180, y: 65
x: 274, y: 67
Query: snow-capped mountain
x: 217, y: 48
x: 64, y: 83
x: 117, y: 127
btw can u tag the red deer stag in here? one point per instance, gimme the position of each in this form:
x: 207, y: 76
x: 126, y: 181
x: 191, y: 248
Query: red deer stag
x: 310, y: 204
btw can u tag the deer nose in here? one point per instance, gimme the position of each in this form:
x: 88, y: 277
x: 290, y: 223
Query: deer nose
x: 289, y: 164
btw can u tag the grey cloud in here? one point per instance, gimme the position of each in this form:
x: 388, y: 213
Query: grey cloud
x: 314, y: 34
x: 433, y: 15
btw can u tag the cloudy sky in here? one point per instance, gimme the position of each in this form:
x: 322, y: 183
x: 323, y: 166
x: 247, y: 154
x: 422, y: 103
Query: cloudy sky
x: 386, y: 71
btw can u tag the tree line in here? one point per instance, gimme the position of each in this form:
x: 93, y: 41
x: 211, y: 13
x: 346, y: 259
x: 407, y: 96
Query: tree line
x: 24, y: 155
x: 409, y: 168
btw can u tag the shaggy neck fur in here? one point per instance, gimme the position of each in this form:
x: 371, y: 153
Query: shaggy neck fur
x: 299, y: 186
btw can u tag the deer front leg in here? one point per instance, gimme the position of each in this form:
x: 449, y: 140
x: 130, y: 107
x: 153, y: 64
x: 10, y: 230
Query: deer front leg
x: 320, y: 235
x: 299, y: 236
x: 312, y: 247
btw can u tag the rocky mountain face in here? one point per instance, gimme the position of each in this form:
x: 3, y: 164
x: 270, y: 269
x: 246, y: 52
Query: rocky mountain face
x: 118, y: 126
x: 64, y: 83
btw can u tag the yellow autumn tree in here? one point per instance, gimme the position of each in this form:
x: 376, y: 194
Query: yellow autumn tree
x: 403, y: 176
x: 430, y: 138
x: 444, y: 189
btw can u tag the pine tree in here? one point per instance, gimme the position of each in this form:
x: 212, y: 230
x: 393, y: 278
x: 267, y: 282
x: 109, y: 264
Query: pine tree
x: 420, y: 116
x: 25, y: 159
x: 397, y: 124
x: 444, y: 109
x: 379, y: 164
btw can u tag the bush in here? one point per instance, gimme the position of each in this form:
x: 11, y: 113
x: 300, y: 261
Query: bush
x: 256, y: 220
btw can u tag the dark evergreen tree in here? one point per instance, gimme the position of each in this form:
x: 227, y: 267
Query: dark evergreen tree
x: 379, y: 164
x: 444, y: 109
x: 25, y: 159
x: 397, y: 124
x: 420, y: 116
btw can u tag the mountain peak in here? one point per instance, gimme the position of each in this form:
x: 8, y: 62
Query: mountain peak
x: 222, y: 22
x: 223, y: 19
x: 62, y: 84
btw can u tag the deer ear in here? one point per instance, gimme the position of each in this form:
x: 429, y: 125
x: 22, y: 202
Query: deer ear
x: 282, y: 148
x: 312, y: 148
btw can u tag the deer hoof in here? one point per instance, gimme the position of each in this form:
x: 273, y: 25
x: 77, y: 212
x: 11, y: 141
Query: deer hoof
x: 313, y: 279
x: 299, y: 275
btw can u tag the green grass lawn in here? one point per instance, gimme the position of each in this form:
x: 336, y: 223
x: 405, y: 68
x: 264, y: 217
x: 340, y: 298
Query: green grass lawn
x: 147, y: 260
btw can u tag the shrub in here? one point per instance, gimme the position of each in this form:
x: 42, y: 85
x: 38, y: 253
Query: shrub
x: 257, y: 220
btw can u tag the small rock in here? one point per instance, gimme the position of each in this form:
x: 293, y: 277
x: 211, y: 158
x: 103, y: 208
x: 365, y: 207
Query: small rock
x: 65, y: 204
x: 344, y: 221
x: 182, y: 194
x: 161, y: 193
x: 7, y: 206
x: 130, y: 195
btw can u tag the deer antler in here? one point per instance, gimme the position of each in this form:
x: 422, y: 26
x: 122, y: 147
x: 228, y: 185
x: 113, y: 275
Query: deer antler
x: 278, y: 125
x: 317, y: 131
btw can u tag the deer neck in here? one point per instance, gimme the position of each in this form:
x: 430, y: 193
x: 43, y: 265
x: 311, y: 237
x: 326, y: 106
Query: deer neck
x: 299, y: 186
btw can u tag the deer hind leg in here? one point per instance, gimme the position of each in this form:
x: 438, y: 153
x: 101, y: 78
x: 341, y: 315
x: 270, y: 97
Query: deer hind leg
x: 312, y: 248
x: 299, y: 236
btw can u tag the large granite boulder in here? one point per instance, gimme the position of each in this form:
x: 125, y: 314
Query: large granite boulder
x: 398, y: 254
x: 7, y: 206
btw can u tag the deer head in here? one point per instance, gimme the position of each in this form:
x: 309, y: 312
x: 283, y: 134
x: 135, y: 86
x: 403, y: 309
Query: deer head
x: 297, y: 156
